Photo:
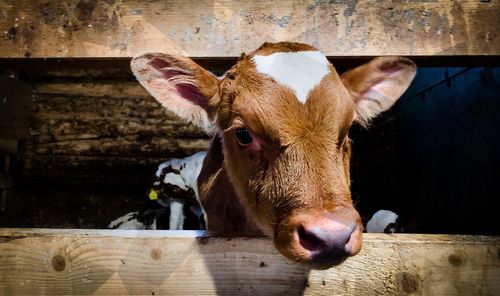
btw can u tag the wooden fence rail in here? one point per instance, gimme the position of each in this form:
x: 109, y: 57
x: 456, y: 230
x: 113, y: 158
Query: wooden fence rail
x: 225, y: 28
x: 53, y: 262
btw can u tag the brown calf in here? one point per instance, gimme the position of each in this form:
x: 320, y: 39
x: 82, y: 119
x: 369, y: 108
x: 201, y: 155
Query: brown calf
x: 279, y: 159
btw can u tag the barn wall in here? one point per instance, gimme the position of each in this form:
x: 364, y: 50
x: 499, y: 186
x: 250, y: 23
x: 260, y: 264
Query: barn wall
x: 95, y: 134
x: 96, y: 138
x: 91, y: 141
x: 95, y: 129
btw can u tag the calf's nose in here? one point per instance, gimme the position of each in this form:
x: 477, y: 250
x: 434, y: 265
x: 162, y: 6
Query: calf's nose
x: 328, y: 240
x: 330, y: 236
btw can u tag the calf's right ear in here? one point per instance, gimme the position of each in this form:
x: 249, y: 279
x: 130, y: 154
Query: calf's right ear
x: 378, y: 84
x: 180, y: 85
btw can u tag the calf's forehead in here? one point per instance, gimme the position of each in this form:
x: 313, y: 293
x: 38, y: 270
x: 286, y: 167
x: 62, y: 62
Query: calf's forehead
x: 301, y: 71
x: 295, y: 89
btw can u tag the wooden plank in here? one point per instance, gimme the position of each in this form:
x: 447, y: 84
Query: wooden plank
x: 8, y: 146
x: 15, y: 100
x: 100, y: 131
x: 90, y: 28
x: 44, y: 261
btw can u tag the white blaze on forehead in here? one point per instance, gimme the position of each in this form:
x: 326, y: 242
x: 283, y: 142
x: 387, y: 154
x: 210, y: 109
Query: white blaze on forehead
x: 301, y: 71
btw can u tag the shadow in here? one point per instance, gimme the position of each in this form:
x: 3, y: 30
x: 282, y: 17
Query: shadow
x: 251, y: 266
x: 191, y: 262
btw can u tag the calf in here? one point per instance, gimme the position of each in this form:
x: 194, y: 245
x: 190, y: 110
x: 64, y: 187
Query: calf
x: 279, y: 158
x: 383, y: 221
x: 176, y: 184
x: 174, y: 192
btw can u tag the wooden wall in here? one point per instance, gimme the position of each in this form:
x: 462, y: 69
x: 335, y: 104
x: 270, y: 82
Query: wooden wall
x: 99, y: 126
x: 89, y: 141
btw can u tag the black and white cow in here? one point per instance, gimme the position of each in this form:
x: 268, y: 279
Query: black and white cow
x: 173, y: 194
x: 384, y: 221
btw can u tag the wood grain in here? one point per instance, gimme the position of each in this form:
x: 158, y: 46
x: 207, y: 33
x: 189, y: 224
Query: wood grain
x: 89, y: 28
x: 53, y: 262
x: 101, y: 131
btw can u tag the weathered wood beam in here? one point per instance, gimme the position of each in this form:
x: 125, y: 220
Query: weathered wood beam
x: 100, y: 131
x: 53, y: 262
x: 90, y: 28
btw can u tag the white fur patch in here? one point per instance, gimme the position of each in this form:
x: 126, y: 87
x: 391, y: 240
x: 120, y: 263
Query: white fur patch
x: 176, y: 180
x: 176, y: 214
x: 301, y: 71
x: 380, y: 220
x: 189, y: 168
x: 127, y: 221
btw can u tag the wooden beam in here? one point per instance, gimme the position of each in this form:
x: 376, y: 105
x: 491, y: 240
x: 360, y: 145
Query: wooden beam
x: 36, y: 261
x: 90, y: 28
x: 100, y: 130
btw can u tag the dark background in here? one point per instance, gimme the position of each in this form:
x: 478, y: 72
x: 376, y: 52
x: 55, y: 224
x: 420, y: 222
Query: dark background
x: 86, y: 150
x: 434, y: 158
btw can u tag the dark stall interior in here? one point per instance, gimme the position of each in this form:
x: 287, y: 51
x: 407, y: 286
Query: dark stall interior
x: 433, y: 158
x: 80, y: 140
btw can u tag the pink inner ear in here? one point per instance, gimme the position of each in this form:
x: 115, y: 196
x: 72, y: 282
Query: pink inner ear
x: 186, y: 90
x: 192, y: 93
x: 390, y: 68
x: 397, y: 65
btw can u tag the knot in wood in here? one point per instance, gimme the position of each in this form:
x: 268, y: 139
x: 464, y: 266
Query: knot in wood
x: 407, y: 282
x: 457, y: 260
x: 155, y: 254
x: 58, y: 263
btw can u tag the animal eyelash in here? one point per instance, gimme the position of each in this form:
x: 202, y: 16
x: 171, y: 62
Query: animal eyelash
x: 232, y: 127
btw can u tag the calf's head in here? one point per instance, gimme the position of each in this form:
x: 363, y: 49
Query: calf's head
x: 283, y: 114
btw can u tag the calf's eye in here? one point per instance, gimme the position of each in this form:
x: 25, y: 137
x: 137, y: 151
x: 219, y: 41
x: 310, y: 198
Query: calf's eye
x: 243, y: 136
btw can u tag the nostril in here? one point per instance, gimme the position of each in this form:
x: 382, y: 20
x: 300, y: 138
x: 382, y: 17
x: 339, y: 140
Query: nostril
x: 309, y: 240
x: 349, y: 233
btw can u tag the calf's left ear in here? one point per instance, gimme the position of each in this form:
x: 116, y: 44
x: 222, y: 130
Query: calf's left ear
x: 180, y: 85
x: 378, y: 84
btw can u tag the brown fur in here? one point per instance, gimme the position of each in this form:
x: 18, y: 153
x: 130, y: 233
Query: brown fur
x: 302, y: 162
x: 297, y: 170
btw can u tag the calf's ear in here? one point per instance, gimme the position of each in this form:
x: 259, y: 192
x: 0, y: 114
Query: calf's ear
x: 180, y: 85
x: 378, y: 84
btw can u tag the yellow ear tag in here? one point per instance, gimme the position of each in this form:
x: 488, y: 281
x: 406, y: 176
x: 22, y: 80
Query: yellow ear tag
x: 153, y: 195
